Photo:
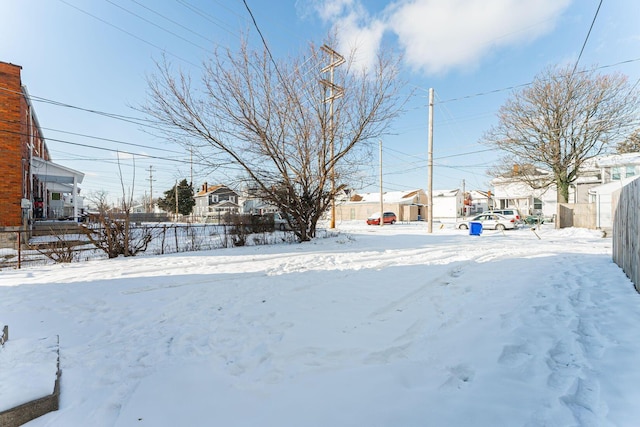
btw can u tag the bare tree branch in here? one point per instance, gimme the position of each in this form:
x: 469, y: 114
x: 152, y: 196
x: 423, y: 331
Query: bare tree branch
x: 278, y: 132
x: 561, y: 120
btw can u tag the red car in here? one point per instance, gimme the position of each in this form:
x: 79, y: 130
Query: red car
x: 389, y: 218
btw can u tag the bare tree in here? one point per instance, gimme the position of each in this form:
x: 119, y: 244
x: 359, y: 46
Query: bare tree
x: 558, y: 122
x: 631, y: 144
x: 113, y: 233
x: 273, y: 121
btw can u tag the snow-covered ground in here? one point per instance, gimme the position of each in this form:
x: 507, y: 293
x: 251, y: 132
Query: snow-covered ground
x: 379, y: 326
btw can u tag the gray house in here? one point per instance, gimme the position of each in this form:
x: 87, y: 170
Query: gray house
x: 214, y: 202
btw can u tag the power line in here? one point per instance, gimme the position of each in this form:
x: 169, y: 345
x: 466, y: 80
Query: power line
x: 157, y: 26
x: 587, y: 37
x: 128, y: 33
x: 489, y: 92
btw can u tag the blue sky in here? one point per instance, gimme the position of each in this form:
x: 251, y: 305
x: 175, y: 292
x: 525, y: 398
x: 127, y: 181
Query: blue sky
x: 96, y: 54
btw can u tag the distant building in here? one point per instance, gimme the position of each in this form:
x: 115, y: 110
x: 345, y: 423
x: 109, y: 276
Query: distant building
x: 407, y: 205
x: 214, y: 202
x: 596, y: 184
x: 447, y: 204
x: 32, y: 186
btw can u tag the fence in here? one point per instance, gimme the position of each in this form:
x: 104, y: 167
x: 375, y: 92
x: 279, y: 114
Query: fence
x: 626, y: 231
x: 581, y: 215
x: 165, y: 238
x: 22, y: 414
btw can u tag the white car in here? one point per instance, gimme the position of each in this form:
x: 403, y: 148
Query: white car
x: 509, y: 213
x: 490, y: 221
x: 280, y: 222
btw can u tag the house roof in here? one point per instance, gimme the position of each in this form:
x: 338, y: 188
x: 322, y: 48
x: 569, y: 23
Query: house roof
x: 387, y: 197
x: 618, y: 160
x: 446, y: 193
x: 612, y: 186
x: 209, y: 190
x: 50, y: 172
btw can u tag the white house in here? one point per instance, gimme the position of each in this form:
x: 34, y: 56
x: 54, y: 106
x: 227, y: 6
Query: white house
x: 510, y: 192
x: 603, y: 196
x: 447, y: 204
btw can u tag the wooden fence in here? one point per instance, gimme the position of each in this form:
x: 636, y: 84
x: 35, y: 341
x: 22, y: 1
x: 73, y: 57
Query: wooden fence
x: 581, y: 215
x: 626, y: 231
x: 28, y: 411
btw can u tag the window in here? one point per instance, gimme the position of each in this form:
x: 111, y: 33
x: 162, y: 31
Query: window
x: 615, y: 174
x: 537, y: 204
x: 631, y: 171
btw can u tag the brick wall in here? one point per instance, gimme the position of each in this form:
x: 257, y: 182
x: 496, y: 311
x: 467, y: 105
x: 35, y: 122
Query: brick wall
x: 11, y: 145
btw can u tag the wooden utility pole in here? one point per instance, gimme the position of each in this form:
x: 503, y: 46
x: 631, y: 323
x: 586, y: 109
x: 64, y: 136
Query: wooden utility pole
x: 335, y: 59
x: 430, y: 166
x: 176, y: 200
x: 381, y: 191
x: 464, y: 199
x: 150, y: 179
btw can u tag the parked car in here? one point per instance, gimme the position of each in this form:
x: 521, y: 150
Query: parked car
x: 509, y: 213
x: 279, y: 221
x: 389, y: 218
x: 491, y: 221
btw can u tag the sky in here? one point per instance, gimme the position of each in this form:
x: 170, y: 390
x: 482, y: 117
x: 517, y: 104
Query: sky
x: 371, y: 326
x: 86, y: 65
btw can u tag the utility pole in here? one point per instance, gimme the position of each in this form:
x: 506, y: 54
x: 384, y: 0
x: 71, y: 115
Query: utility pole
x: 464, y: 200
x: 335, y: 59
x: 381, y: 192
x: 176, y: 200
x: 430, y: 166
x: 150, y: 179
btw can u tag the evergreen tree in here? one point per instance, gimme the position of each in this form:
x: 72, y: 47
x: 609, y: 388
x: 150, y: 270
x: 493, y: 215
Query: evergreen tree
x: 186, y: 202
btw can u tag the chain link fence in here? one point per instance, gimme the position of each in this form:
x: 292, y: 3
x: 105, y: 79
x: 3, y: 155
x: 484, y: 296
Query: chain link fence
x: 19, y: 251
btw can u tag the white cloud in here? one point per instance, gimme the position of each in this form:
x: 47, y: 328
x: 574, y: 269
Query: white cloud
x: 438, y: 35
x: 363, y: 41
x: 332, y: 9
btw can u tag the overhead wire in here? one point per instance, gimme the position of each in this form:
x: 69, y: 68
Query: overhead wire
x: 130, y: 34
x: 134, y: 120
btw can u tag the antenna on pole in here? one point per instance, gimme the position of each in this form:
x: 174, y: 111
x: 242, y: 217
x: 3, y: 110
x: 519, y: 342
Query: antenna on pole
x: 430, y: 166
x: 335, y: 91
x: 381, y: 190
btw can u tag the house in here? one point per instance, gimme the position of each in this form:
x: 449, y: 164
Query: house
x: 476, y: 202
x: 213, y: 203
x: 407, y: 205
x: 447, y: 204
x: 590, y: 187
x: 33, y: 186
x: 604, y: 197
x: 252, y: 204
x: 511, y: 192
x: 616, y: 171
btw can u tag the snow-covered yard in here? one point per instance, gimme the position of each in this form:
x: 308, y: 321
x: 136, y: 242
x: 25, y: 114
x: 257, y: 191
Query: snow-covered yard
x: 379, y: 326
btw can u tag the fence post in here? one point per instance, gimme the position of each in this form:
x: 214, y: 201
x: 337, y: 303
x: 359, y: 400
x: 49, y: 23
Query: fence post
x: 19, y: 250
x: 164, y: 235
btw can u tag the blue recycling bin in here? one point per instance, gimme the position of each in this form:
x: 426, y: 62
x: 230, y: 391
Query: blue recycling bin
x: 475, y: 228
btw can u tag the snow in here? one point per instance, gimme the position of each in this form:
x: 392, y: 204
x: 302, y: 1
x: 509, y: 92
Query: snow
x: 34, y: 363
x: 374, y: 326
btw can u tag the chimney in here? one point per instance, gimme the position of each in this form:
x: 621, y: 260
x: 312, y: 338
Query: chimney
x: 205, y: 187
